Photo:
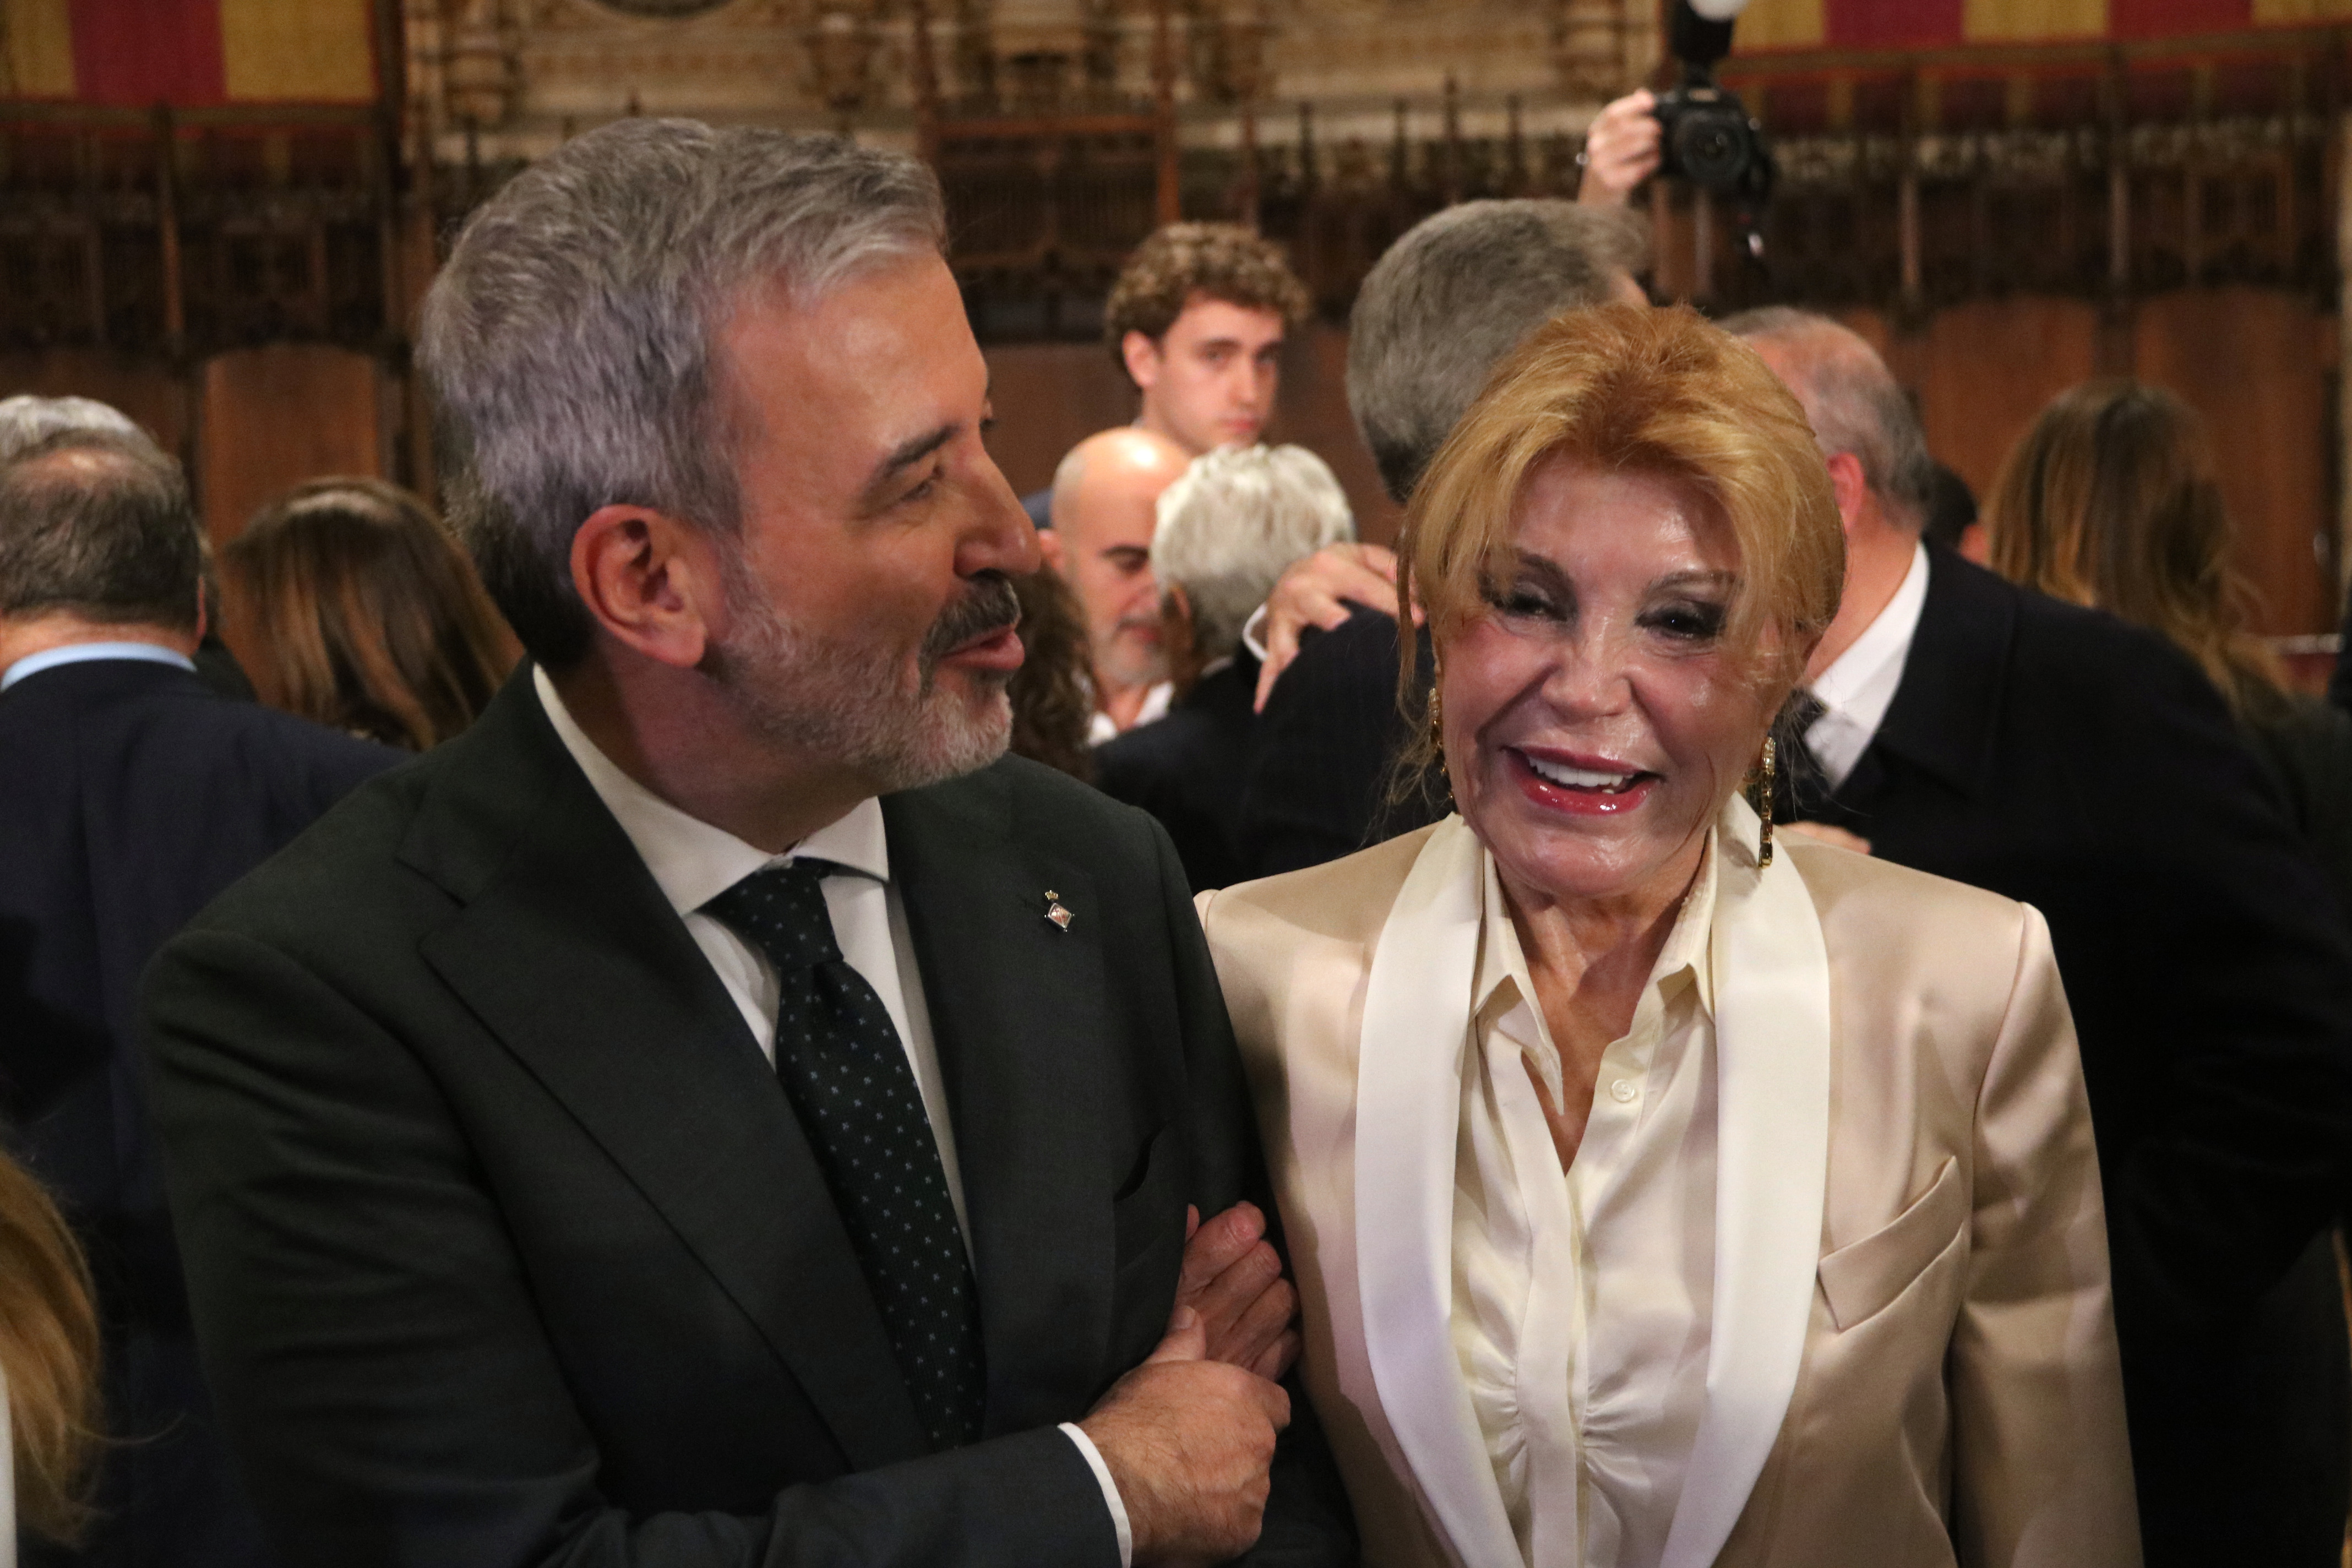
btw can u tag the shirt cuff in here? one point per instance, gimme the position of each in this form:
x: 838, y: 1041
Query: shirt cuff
x: 1109, y: 1491
x: 1253, y: 633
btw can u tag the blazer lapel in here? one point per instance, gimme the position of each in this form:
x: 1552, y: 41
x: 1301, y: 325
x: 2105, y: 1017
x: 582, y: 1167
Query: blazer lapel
x: 568, y: 953
x: 1772, y: 1055
x: 1017, y: 1011
x: 1407, y: 1110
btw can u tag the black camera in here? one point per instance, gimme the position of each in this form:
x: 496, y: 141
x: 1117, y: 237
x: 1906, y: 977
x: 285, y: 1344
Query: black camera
x: 1706, y: 134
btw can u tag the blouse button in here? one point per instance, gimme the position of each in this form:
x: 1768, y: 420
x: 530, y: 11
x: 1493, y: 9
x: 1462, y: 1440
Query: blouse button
x: 1622, y: 1092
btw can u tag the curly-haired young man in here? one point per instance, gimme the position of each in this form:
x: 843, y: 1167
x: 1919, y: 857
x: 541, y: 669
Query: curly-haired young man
x: 1197, y: 319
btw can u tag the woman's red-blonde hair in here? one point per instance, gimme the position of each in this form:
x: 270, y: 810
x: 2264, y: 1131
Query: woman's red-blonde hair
x: 1624, y: 388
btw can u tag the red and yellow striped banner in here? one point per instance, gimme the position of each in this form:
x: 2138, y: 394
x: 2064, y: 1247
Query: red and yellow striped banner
x: 188, y: 53
x: 1943, y: 24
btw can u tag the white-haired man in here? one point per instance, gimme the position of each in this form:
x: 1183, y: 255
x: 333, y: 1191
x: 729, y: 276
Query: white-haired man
x: 707, y: 1113
x: 1226, y: 531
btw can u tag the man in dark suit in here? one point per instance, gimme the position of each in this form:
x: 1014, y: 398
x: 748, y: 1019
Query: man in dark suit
x: 1227, y: 528
x: 714, y: 1111
x: 1443, y: 303
x: 1963, y: 726
x: 130, y: 795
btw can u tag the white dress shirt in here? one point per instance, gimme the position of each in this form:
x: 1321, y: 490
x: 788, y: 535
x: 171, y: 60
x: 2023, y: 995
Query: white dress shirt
x: 1856, y: 689
x: 1584, y: 1300
x: 1155, y: 706
x: 85, y: 652
x: 693, y: 862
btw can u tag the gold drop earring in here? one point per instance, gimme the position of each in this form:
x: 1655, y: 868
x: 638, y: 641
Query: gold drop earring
x: 1764, y: 807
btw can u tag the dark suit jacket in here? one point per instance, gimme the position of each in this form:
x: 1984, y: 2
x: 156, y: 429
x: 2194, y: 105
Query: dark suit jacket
x: 130, y: 795
x: 505, y: 1246
x: 1319, y: 782
x: 1187, y: 767
x: 2060, y: 757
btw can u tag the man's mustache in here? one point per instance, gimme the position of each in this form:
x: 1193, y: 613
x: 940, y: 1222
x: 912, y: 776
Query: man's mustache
x: 988, y: 607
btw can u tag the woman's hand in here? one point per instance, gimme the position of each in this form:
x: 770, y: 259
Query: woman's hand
x: 1622, y: 149
x: 1232, y: 1283
x: 1318, y: 591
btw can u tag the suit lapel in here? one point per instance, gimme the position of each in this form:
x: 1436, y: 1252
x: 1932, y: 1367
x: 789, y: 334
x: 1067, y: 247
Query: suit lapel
x: 1408, y: 1112
x: 1947, y: 708
x: 1772, y: 1064
x: 570, y: 956
x: 1017, y: 1012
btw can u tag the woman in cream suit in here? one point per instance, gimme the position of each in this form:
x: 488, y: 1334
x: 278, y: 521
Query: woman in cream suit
x: 1660, y: 1194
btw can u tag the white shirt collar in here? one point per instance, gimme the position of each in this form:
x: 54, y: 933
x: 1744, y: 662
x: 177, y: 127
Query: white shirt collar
x: 1858, y: 688
x: 1501, y: 959
x: 84, y: 652
x: 692, y: 861
x: 1155, y: 706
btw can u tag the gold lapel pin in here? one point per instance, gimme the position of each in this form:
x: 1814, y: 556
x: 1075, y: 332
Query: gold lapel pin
x: 1056, y: 912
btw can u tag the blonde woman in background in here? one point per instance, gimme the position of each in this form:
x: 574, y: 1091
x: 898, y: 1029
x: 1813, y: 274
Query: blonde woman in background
x: 350, y: 605
x: 1661, y: 1195
x: 2113, y: 499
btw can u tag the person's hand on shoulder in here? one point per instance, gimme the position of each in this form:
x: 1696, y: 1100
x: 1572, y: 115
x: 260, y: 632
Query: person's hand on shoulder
x: 1622, y: 148
x: 1318, y: 591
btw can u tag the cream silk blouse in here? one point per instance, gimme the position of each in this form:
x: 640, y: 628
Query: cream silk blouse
x: 1582, y: 1301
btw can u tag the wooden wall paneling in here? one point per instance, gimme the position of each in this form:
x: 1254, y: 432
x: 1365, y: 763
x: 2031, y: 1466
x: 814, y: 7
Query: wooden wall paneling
x: 277, y: 415
x: 1313, y: 413
x: 1986, y: 368
x: 143, y: 387
x: 1048, y: 397
x: 2252, y: 361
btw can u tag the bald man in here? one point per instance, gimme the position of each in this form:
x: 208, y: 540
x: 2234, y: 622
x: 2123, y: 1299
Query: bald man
x: 1106, y: 496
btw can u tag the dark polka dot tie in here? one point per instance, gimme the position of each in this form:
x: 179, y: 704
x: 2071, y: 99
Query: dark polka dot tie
x: 846, y: 1075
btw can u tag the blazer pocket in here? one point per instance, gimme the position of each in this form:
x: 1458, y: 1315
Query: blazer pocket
x: 1138, y: 1211
x: 1865, y: 1277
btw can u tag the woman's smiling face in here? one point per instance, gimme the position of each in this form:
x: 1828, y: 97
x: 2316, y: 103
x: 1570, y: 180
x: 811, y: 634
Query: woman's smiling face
x: 1595, y: 721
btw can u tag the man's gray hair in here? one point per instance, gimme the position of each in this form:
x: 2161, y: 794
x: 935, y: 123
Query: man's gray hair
x: 571, y: 337
x: 1853, y: 404
x: 26, y: 419
x: 1232, y: 522
x: 97, y: 524
x: 1453, y: 297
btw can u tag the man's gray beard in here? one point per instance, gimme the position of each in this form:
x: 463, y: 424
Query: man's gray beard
x: 842, y: 702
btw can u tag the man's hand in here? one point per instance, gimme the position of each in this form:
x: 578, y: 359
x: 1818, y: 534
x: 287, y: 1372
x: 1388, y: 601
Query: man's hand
x: 1188, y: 1442
x: 1317, y: 592
x: 1233, y: 1280
x: 1622, y: 149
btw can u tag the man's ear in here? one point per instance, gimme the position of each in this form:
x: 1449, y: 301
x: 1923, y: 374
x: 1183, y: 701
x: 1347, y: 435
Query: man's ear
x: 1853, y: 489
x: 1050, y: 546
x: 652, y: 583
x: 1142, y: 356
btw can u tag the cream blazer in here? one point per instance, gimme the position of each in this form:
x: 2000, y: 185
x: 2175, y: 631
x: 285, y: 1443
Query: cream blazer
x: 1913, y: 1357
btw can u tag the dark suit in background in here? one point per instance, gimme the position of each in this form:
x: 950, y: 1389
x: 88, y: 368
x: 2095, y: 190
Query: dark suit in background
x: 505, y: 1246
x: 2060, y: 757
x: 1188, y: 769
x: 1320, y: 781
x: 130, y: 795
